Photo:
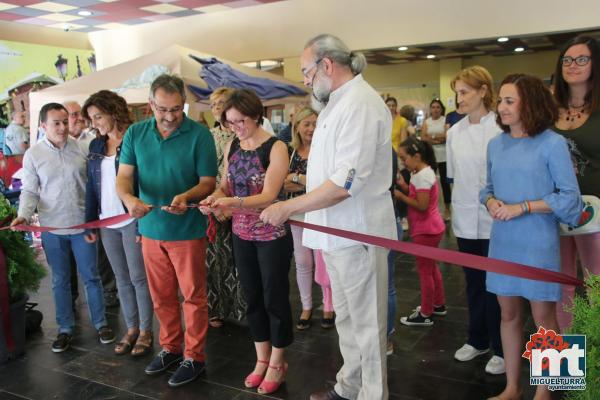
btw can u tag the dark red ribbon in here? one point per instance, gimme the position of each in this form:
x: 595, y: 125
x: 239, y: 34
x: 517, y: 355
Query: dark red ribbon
x: 100, y: 223
x: 434, y: 253
x: 450, y: 256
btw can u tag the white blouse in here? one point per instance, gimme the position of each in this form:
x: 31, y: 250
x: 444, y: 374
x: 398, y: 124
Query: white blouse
x: 436, y: 127
x: 110, y: 203
x: 466, y: 151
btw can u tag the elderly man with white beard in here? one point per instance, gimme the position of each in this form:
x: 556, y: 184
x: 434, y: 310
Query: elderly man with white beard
x: 348, y: 180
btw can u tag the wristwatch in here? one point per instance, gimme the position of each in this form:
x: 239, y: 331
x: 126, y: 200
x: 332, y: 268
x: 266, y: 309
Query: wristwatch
x: 296, y: 178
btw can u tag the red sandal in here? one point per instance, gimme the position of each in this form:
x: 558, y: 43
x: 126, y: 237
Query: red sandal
x: 253, y: 380
x: 267, y: 387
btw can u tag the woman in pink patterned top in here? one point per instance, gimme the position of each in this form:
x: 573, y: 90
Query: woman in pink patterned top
x: 254, y: 170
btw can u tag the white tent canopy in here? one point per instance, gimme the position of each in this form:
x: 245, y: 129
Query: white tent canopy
x: 130, y: 80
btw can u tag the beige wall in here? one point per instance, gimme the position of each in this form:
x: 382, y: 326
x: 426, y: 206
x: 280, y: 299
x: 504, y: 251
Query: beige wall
x: 448, y: 70
x: 411, y: 74
x: 279, y: 30
x: 539, y: 64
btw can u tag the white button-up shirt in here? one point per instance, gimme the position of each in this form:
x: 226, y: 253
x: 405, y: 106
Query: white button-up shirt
x: 352, y: 148
x: 466, y: 152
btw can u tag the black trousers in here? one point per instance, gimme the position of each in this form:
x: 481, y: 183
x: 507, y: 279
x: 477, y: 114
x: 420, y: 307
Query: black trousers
x: 263, y: 269
x: 484, y: 310
x: 446, y: 191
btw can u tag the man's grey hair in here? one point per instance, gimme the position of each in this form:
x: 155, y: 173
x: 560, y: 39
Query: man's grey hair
x: 332, y: 47
x: 168, y: 83
x: 69, y: 102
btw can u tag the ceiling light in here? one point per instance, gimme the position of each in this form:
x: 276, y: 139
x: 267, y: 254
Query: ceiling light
x: 84, y: 13
x: 431, y: 56
x: 402, y: 48
x: 503, y: 39
x: 519, y: 49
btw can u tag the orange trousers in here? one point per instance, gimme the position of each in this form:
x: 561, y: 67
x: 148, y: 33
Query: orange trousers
x: 171, y: 265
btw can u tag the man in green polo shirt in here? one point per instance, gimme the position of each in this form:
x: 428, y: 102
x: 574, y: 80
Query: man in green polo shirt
x: 176, y: 163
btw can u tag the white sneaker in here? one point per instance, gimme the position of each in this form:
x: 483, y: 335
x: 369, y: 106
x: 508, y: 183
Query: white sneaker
x: 468, y: 352
x: 495, y: 366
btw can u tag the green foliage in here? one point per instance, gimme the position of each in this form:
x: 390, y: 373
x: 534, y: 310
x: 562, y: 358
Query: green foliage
x: 586, y: 321
x: 24, y: 273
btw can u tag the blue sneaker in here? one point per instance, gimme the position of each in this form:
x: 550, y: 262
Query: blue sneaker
x: 188, y: 371
x: 163, y: 360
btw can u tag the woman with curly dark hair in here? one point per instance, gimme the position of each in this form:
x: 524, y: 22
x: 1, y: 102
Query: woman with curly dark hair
x: 577, y: 91
x: 531, y: 186
x: 109, y: 116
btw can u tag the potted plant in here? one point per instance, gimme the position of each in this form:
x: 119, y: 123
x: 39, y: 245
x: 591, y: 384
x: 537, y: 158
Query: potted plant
x: 586, y: 321
x: 22, y: 274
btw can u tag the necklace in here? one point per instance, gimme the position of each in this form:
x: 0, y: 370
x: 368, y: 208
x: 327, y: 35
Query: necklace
x: 576, y: 113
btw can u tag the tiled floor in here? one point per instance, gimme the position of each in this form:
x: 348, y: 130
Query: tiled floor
x: 421, y: 368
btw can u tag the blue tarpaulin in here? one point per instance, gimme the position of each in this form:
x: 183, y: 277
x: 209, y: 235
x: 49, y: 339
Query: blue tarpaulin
x: 216, y: 74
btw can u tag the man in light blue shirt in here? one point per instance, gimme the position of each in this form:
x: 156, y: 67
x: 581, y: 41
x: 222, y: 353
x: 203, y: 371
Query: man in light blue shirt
x: 16, y: 137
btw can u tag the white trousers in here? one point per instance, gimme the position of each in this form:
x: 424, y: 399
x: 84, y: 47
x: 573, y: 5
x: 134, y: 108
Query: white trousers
x: 359, y: 282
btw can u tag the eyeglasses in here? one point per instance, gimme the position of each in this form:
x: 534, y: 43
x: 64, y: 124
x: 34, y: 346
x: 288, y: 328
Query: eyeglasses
x: 217, y: 104
x: 306, y: 71
x: 164, y: 110
x: 236, y: 124
x: 580, y: 60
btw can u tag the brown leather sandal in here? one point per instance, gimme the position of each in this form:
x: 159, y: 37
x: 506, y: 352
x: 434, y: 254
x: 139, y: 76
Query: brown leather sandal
x: 143, y: 345
x: 125, y: 344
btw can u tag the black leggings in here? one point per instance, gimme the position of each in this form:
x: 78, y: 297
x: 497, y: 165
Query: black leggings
x: 444, y: 183
x: 263, y: 269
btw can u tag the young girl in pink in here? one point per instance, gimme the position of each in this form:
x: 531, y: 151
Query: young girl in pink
x: 426, y: 226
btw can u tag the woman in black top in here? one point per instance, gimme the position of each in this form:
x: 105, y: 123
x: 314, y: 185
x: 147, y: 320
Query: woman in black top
x: 577, y: 92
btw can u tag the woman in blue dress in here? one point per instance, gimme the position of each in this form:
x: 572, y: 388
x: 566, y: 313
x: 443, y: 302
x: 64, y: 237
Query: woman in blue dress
x: 531, y: 187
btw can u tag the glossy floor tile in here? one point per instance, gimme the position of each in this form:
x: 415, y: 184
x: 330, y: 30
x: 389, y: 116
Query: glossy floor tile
x: 422, y: 366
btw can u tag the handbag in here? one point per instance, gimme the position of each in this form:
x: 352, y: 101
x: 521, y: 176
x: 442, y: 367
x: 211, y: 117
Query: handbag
x: 589, y: 221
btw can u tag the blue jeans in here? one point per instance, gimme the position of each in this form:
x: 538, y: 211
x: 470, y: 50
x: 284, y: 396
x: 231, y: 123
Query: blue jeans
x: 391, y: 315
x: 57, y: 248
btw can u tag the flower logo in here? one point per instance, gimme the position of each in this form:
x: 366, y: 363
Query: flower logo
x: 542, y: 340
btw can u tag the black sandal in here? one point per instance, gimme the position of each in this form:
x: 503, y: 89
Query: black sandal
x: 304, y: 323
x: 328, y: 323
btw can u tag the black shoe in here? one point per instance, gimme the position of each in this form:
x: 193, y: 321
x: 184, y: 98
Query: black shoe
x: 106, y: 335
x: 62, y: 342
x: 328, y: 323
x: 304, y: 323
x: 416, y: 319
x: 327, y: 395
x: 437, y: 310
x: 111, y: 299
x: 188, y: 371
x: 163, y: 360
